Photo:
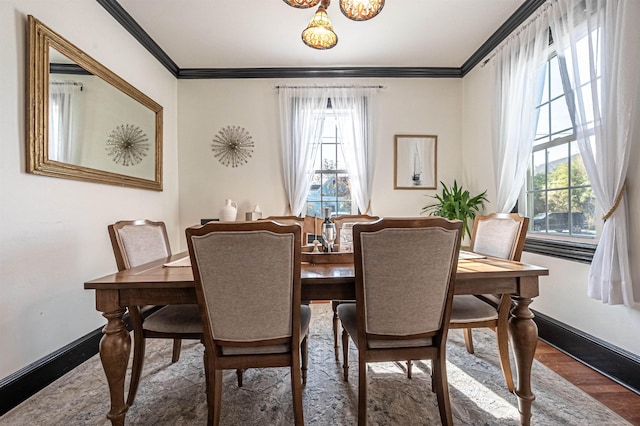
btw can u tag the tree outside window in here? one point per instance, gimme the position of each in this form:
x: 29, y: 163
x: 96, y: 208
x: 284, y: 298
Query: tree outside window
x: 559, y: 195
x: 330, y: 186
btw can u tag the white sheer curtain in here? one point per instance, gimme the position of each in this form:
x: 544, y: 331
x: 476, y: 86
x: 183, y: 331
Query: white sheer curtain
x: 64, y: 122
x: 518, y: 74
x: 354, y: 108
x: 301, y: 116
x: 605, y: 120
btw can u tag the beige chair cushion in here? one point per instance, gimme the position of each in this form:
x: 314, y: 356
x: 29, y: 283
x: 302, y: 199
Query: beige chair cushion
x: 143, y: 243
x: 349, y: 319
x: 232, y: 266
x: 496, y: 237
x: 175, y: 319
x: 305, y: 319
x: 469, y: 308
x: 405, y: 279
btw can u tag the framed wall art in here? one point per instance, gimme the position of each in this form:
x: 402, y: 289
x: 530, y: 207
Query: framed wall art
x: 415, y: 158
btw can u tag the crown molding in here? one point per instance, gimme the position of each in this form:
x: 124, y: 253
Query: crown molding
x: 119, y: 14
x: 514, y: 21
x: 520, y: 15
x: 55, y: 68
x: 329, y: 72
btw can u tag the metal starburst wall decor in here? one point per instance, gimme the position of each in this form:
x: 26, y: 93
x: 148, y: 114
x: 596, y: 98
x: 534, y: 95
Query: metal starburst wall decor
x: 232, y: 146
x: 127, y: 144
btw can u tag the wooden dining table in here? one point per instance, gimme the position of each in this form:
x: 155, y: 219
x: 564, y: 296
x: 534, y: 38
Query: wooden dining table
x: 157, y: 284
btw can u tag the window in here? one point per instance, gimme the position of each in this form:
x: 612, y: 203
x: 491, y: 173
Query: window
x: 330, y: 186
x: 65, y: 121
x: 329, y: 143
x: 559, y: 200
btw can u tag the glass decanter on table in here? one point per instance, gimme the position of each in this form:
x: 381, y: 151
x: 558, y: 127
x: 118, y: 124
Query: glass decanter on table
x: 328, y: 231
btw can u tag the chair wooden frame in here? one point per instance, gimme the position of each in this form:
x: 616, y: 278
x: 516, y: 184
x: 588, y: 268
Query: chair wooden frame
x: 351, y: 218
x: 215, y: 360
x: 136, y: 312
x: 308, y: 223
x: 502, y: 303
x: 436, y: 351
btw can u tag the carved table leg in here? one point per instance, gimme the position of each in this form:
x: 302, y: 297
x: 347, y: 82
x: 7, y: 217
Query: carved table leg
x: 523, y: 334
x: 115, y: 347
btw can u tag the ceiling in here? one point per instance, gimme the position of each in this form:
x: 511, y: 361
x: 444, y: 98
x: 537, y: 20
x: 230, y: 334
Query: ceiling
x: 237, y: 34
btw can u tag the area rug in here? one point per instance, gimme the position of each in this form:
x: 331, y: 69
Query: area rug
x: 174, y: 394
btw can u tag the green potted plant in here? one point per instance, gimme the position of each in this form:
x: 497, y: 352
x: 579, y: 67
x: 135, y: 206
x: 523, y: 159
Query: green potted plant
x: 456, y: 203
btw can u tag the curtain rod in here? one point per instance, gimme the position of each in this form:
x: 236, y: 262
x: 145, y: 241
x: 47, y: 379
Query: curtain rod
x: 75, y: 83
x: 71, y: 83
x: 329, y: 87
x: 538, y: 15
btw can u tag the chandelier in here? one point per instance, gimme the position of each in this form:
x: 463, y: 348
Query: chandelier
x: 319, y: 33
x: 361, y: 10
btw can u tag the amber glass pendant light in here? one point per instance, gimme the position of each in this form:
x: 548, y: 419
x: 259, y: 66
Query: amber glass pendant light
x: 361, y: 10
x: 302, y: 4
x: 319, y: 33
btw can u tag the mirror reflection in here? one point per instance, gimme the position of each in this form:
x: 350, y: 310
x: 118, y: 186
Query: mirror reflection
x: 86, y: 125
x: 86, y: 122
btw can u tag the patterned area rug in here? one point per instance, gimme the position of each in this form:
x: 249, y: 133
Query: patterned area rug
x: 174, y: 394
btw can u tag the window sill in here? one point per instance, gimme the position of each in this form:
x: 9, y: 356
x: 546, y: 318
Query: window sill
x: 567, y: 250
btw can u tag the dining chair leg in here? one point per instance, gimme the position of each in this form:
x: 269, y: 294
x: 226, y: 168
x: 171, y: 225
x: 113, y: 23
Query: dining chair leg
x: 239, y: 374
x: 502, y: 336
x: 468, y: 340
x: 362, y: 392
x: 304, y: 348
x: 409, y: 369
x: 441, y: 384
x: 296, y: 390
x: 209, y: 381
x: 505, y: 365
x: 217, y: 396
x: 433, y: 380
x: 345, y: 354
x: 136, y: 367
x: 177, y: 345
x: 334, y: 307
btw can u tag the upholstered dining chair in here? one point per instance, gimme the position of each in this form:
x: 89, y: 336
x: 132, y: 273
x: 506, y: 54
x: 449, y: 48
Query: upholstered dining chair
x: 247, y: 279
x: 344, y: 223
x: 136, y: 242
x: 405, y: 275
x: 308, y: 224
x: 498, y: 235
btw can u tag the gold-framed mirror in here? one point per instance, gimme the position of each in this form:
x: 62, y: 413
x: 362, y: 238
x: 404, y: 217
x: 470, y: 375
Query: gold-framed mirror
x: 85, y: 122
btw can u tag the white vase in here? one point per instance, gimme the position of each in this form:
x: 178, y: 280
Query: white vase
x: 228, y: 211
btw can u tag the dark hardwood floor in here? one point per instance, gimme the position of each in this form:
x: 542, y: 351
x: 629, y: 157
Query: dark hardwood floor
x: 616, y: 397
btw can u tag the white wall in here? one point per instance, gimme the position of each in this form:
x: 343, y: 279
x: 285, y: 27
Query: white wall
x: 405, y: 106
x: 53, y: 232
x: 563, y: 294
